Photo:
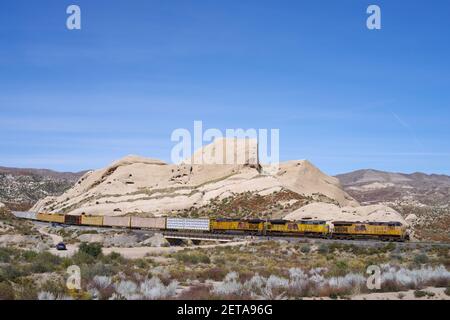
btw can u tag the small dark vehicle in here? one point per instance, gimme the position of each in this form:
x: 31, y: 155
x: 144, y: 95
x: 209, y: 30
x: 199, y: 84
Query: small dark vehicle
x: 61, y: 246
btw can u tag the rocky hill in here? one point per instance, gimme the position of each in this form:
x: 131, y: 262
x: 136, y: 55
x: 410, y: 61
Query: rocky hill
x: 21, y: 188
x: 424, y: 200
x: 150, y: 187
x: 372, y: 186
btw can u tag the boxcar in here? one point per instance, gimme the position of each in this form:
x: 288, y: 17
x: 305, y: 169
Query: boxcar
x: 148, y: 223
x: 123, y: 222
x: 71, y: 219
x: 255, y: 226
x: 92, y: 220
x: 57, y: 218
x: 376, y: 230
x: 187, y: 224
x: 302, y: 227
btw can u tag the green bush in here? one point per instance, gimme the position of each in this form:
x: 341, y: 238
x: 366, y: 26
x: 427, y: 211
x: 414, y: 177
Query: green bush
x: 447, y: 291
x: 113, y: 258
x: 421, y: 258
x: 305, y: 249
x: 10, y: 272
x: 7, y: 254
x: 29, y: 255
x: 82, y: 257
x: 420, y: 293
x: 340, y: 268
x: 323, y: 249
x: 92, y: 249
x: 43, y: 262
x: 192, y: 258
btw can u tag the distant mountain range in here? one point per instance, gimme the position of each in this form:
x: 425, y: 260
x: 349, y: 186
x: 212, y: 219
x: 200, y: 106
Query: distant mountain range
x: 373, y: 186
x: 20, y: 188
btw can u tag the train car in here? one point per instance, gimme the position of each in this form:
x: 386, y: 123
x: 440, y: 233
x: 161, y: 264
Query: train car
x: 26, y: 215
x: 392, y: 231
x: 46, y: 217
x: 253, y: 226
x: 92, y: 220
x: 121, y: 222
x: 316, y: 228
x: 148, y: 223
x: 187, y: 224
x: 72, y: 219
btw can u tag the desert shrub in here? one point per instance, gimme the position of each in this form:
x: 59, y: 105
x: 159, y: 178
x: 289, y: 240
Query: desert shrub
x: 420, y: 293
x: 411, y: 279
x: 92, y: 249
x: 113, y: 258
x: 199, y: 292
x: 154, y: 289
x: 29, y: 255
x: 82, y: 257
x: 447, y: 291
x: 26, y: 290
x: 148, y: 289
x: 340, y: 268
x: 101, y: 287
x: 192, y: 258
x: 390, y: 247
x: 305, y: 249
x: 98, y: 269
x: 44, y: 262
x: 323, y: 249
x: 215, y: 274
x: 11, y: 272
x: 58, y: 288
x: 421, y: 258
x: 6, y: 291
x: 8, y: 254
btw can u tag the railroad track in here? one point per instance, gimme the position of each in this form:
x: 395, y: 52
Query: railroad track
x: 206, y: 236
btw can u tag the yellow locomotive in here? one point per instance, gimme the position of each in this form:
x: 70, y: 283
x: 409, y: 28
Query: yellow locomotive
x: 391, y: 231
x: 251, y: 226
x: 314, y: 228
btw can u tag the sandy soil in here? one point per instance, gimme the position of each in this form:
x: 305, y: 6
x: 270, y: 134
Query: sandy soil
x: 140, y: 252
x: 404, y: 295
x: 439, y: 294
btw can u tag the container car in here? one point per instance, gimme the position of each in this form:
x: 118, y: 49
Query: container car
x: 188, y: 224
x: 92, y: 220
x: 26, y: 215
x: 148, y: 223
x: 46, y: 217
x: 121, y: 222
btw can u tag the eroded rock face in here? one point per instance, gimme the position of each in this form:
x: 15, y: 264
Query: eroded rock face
x: 141, y: 186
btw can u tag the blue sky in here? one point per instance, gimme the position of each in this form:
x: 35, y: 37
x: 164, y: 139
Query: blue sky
x: 343, y: 96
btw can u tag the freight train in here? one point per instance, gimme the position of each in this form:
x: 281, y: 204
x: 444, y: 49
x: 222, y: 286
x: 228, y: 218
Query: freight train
x: 386, y: 231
